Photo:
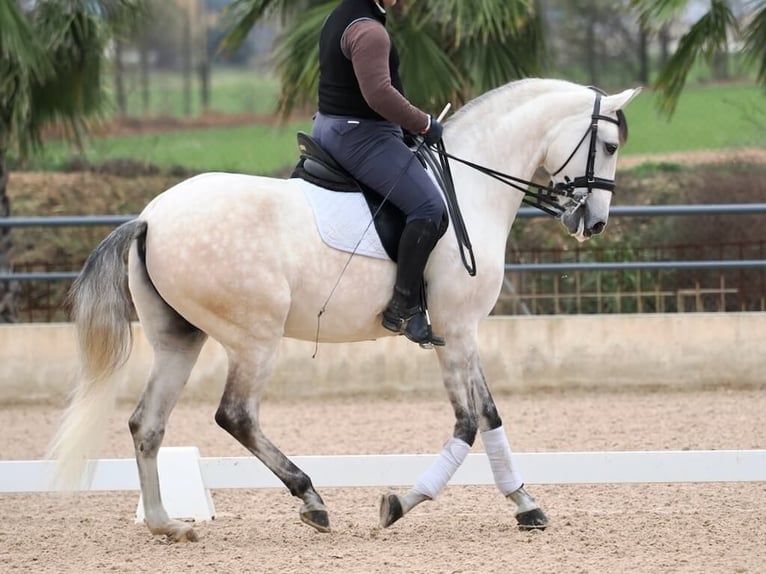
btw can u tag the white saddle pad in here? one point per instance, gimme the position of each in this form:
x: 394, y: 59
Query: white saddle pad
x: 344, y: 220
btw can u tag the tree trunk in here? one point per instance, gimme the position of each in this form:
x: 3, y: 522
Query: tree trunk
x: 664, y: 38
x: 9, y: 290
x: 119, y: 80
x: 643, y: 53
x: 204, y: 71
x: 143, y: 65
x: 721, y: 66
x: 186, y: 59
x: 591, y: 65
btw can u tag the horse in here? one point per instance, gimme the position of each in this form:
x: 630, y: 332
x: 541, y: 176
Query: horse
x: 238, y: 258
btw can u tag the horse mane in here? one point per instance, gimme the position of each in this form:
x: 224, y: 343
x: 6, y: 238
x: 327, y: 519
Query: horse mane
x: 517, y: 92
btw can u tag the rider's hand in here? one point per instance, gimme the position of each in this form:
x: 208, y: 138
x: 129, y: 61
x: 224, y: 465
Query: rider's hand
x: 410, y: 138
x: 434, y: 132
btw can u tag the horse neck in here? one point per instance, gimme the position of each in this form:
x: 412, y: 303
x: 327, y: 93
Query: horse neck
x: 512, y: 143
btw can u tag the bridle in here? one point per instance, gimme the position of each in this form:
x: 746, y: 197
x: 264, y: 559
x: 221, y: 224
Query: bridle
x: 545, y: 197
x: 588, y: 181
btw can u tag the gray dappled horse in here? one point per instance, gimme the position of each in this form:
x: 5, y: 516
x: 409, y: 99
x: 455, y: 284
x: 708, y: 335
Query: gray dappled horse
x: 238, y: 258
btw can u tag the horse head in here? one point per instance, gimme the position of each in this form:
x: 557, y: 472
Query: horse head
x: 582, y: 160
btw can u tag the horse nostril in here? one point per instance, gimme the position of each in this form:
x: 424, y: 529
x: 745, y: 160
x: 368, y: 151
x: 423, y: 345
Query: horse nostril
x: 598, y: 228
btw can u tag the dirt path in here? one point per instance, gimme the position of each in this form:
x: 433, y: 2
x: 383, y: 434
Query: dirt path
x: 750, y: 155
x: 615, y: 529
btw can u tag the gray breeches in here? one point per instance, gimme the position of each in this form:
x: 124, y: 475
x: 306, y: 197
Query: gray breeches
x: 375, y: 154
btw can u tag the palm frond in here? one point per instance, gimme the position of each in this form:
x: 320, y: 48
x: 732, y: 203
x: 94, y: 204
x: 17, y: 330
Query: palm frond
x: 297, y: 59
x: 496, y: 60
x: 485, y: 20
x: 51, y: 63
x: 755, y: 42
x: 74, y: 36
x: 19, y: 49
x: 241, y: 16
x: 126, y: 18
x: 659, y: 10
x: 430, y: 77
x: 705, y: 38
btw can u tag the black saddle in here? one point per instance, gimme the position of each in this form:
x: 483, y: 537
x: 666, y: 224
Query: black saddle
x: 320, y: 168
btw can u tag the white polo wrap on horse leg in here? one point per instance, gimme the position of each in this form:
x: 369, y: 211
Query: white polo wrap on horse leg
x: 501, y: 460
x: 436, y: 477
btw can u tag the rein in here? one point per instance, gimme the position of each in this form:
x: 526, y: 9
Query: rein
x: 443, y: 175
x: 545, y: 197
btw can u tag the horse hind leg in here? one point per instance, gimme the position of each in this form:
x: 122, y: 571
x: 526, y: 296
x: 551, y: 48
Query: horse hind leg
x: 176, y: 345
x: 238, y: 413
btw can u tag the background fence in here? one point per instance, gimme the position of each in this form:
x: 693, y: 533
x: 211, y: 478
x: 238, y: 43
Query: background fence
x: 652, y: 279
x: 657, y: 279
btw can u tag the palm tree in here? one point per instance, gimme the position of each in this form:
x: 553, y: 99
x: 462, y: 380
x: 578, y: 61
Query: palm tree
x: 710, y: 35
x: 450, y: 49
x: 51, y: 67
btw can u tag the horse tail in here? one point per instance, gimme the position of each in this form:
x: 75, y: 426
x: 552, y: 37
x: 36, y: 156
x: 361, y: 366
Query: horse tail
x: 102, y: 310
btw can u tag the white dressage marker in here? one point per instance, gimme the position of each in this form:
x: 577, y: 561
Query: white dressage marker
x: 184, y: 492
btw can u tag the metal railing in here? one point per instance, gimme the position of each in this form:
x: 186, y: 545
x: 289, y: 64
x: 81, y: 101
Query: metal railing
x: 524, y: 213
x: 597, y: 281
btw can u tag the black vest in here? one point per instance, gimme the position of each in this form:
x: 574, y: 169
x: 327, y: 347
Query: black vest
x: 339, y: 92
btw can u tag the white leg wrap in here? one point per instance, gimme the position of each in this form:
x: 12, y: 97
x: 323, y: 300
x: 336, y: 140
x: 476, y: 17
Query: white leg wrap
x: 501, y: 461
x: 436, y: 477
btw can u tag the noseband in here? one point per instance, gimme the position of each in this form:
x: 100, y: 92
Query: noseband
x: 544, y: 197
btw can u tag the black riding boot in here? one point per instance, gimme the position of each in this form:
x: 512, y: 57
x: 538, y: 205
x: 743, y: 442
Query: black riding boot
x: 404, y: 313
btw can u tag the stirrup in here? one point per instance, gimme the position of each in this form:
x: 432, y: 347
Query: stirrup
x: 416, y: 327
x: 418, y: 330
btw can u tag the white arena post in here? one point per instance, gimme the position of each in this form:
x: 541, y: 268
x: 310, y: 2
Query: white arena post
x: 186, y: 478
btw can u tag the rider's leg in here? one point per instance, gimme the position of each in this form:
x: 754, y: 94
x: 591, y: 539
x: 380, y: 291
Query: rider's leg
x: 374, y: 153
x: 403, y: 313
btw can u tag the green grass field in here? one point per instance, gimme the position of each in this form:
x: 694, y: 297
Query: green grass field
x: 248, y: 149
x: 714, y: 117
x: 710, y: 117
x: 231, y: 91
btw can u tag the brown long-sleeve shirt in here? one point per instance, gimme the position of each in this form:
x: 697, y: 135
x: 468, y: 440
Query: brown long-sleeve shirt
x: 367, y: 44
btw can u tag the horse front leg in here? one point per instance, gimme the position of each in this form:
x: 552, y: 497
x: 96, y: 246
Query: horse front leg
x: 431, y: 482
x: 505, y: 467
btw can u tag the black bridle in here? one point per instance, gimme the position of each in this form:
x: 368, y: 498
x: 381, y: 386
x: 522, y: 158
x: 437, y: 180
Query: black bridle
x: 588, y: 180
x: 545, y: 197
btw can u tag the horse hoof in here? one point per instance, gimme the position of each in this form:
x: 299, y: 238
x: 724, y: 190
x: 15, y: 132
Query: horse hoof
x: 181, y: 533
x: 317, y: 518
x: 390, y: 510
x: 534, y: 519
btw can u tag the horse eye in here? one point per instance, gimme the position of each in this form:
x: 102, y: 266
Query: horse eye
x: 610, y: 148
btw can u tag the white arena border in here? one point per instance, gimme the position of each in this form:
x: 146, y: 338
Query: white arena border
x: 186, y: 478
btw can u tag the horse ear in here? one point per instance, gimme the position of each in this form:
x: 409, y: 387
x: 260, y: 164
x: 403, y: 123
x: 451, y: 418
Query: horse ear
x: 619, y: 101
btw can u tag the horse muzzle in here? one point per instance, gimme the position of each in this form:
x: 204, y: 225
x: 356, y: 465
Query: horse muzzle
x: 580, y: 224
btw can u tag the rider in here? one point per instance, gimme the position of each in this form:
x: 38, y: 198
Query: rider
x: 362, y: 110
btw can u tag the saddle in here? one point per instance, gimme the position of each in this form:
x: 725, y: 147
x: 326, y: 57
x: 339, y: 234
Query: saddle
x: 320, y: 168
